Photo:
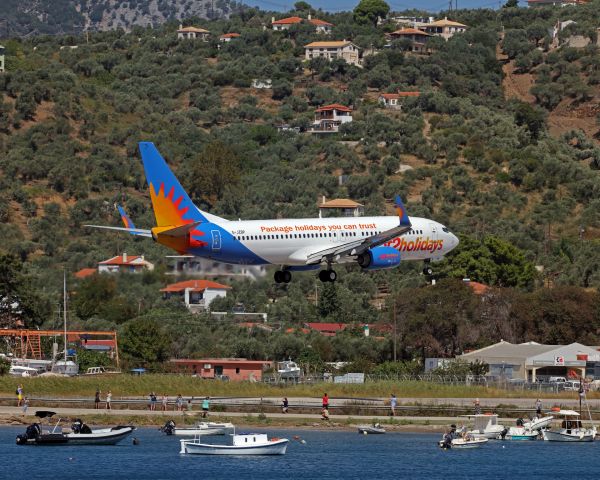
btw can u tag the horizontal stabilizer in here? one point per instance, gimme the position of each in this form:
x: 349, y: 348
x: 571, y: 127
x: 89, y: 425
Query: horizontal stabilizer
x: 134, y: 231
x: 175, y: 232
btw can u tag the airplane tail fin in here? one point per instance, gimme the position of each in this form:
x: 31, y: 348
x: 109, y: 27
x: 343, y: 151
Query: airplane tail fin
x: 401, y: 211
x: 171, y: 203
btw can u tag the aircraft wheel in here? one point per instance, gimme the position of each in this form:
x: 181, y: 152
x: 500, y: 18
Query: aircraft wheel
x: 327, y: 276
x: 427, y: 270
x: 286, y: 276
x: 278, y: 277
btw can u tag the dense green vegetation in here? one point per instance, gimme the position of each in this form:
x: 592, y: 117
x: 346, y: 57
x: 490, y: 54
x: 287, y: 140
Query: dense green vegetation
x: 70, y: 120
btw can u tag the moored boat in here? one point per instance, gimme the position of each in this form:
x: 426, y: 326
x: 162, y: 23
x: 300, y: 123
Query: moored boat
x: 571, y: 429
x: 520, y: 433
x: 485, y: 426
x: 80, y: 434
x: 205, y: 428
x: 376, y: 428
x: 241, y: 444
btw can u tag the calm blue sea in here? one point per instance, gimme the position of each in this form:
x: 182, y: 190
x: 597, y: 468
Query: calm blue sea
x: 326, y: 455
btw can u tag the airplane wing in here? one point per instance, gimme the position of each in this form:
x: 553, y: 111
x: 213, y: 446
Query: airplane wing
x: 134, y: 231
x: 358, y: 246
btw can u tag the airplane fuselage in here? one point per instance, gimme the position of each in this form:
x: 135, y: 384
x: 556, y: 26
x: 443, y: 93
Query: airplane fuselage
x: 286, y: 241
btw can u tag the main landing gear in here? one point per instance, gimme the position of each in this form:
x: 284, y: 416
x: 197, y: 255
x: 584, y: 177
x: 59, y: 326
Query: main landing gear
x: 283, y: 276
x: 427, y: 270
x: 327, y: 276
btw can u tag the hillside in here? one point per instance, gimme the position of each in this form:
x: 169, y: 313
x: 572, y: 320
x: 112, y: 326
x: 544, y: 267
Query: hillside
x: 36, y: 17
x: 462, y: 152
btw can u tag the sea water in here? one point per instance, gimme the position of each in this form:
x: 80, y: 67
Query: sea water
x: 322, y: 455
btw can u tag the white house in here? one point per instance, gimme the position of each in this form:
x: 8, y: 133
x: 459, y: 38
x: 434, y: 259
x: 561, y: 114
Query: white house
x: 321, y: 26
x: 192, y: 33
x: 394, y: 101
x: 196, y: 294
x: 227, y: 37
x: 444, y: 28
x: 331, y: 50
x: 125, y: 263
x: 329, y: 118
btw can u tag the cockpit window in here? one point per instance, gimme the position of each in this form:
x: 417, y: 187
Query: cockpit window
x: 444, y: 229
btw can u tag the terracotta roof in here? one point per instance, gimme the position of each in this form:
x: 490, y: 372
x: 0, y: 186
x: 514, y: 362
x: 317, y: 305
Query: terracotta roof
x: 230, y: 35
x: 85, y: 272
x: 410, y: 31
x: 333, y: 44
x: 316, y: 21
x: 478, y: 288
x: 221, y: 361
x: 118, y: 260
x: 288, y: 21
x: 326, y: 327
x: 195, y: 285
x: 333, y: 106
x: 192, y: 30
x: 444, y: 23
x: 340, y: 203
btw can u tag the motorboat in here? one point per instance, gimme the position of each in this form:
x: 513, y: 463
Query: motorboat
x: 288, y: 370
x: 241, y: 444
x: 453, y: 440
x: 20, y: 371
x: 520, y: 433
x: 376, y: 428
x: 485, y: 425
x: 538, y: 423
x: 79, y: 434
x: 205, y: 428
x: 571, y: 429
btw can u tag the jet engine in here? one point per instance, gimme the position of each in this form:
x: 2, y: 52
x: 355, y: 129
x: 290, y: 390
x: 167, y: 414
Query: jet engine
x: 379, y: 258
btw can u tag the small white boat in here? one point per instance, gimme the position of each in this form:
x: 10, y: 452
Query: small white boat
x: 485, y: 425
x: 539, y: 423
x: 241, y: 444
x: 521, y: 433
x: 462, y: 443
x: 206, y: 428
x: 571, y: 429
x: 376, y: 428
x: 80, y: 434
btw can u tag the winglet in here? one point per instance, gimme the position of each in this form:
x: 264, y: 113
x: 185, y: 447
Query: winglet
x: 126, y: 220
x: 401, y: 211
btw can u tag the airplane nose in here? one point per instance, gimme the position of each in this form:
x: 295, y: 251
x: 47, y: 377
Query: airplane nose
x: 453, y: 240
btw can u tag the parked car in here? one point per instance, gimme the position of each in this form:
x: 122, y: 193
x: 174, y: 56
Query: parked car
x: 572, y: 385
x: 557, y: 380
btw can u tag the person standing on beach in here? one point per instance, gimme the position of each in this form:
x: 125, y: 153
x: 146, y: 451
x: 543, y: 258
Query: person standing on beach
x: 205, y: 407
x: 179, y: 403
x: 164, y: 402
x: 393, y: 403
x: 97, y: 399
x: 19, y: 393
x: 284, y: 405
x: 108, y: 400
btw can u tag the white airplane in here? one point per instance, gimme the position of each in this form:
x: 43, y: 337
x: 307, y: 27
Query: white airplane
x: 293, y: 244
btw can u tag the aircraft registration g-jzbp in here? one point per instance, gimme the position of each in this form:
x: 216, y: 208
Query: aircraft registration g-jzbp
x: 293, y: 244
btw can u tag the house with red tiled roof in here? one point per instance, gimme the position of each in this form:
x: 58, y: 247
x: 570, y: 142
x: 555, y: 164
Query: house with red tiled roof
x: 125, y: 264
x: 328, y: 118
x: 192, y: 33
x: 343, y: 49
x: 227, y: 37
x: 321, y: 26
x: 478, y: 288
x: 235, y: 369
x: 394, y: 100
x: 326, y: 328
x: 85, y: 272
x: 196, y: 294
x: 416, y: 39
x: 444, y: 28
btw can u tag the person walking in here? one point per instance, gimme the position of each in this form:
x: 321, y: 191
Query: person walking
x: 25, y: 405
x: 108, y: 400
x: 393, y: 404
x: 325, y: 401
x: 477, y: 405
x: 538, y: 408
x: 97, y: 399
x: 284, y: 405
x: 19, y: 393
x: 205, y: 407
x: 164, y: 402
